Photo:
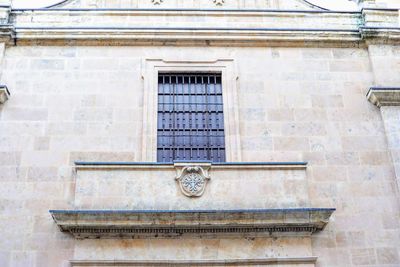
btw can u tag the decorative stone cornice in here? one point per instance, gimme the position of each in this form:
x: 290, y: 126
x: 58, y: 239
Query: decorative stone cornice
x: 4, y: 94
x: 190, y: 36
x: 380, y: 35
x: 375, y: 17
x: 384, y: 96
x: 192, y: 223
x: 231, y: 262
x: 235, y: 27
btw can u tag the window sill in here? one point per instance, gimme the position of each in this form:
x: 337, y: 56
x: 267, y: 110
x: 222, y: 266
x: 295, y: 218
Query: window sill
x: 221, y: 166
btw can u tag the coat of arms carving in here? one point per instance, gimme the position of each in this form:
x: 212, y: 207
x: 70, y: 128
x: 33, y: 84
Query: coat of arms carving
x: 157, y: 2
x: 192, y: 179
x: 219, y: 2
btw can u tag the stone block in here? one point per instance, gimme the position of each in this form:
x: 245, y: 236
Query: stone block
x: 43, y: 158
x: 388, y: 255
x: 363, y: 256
x: 329, y: 173
x: 291, y: 144
x: 47, y: 64
x: 304, y: 129
x: 342, y: 158
x: 327, y: 101
x: 25, y: 114
x: 4, y: 259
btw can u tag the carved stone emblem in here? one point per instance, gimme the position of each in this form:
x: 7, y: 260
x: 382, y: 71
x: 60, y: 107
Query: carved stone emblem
x: 219, y: 2
x: 193, y: 179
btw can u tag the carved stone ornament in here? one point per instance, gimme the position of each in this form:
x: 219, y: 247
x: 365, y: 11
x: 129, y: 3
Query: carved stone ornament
x: 193, y: 179
x: 157, y: 2
x: 219, y: 2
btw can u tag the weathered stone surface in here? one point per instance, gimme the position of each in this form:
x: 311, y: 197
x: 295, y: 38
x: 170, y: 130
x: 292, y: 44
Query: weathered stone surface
x: 298, y: 100
x: 191, y: 223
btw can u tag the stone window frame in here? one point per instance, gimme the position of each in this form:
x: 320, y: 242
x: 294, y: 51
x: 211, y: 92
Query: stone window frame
x: 150, y: 71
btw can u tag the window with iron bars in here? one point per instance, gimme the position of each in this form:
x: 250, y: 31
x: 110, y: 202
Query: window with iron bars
x: 190, y: 117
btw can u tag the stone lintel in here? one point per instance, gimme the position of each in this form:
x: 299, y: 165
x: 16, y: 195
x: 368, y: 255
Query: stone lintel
x: 191, y: 223
x: 4, y: 94
x: 236, y: 262
x: 384, y: 96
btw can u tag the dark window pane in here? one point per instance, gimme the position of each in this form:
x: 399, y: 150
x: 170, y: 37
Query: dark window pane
x: 190, y: 117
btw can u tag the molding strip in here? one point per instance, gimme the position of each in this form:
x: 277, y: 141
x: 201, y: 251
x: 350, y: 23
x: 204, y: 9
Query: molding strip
x: 359, y: 29
x: 217, y: 166
x: 384, y: 96
x: 200, y: 263
x: 189, y: 36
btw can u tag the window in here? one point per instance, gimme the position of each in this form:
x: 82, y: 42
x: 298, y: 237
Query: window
x: 190, y: 117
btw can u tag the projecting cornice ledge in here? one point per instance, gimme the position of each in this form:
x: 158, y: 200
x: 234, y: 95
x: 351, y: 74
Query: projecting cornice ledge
x: 4, y: 94
x: 191, y: 223
x: 384, y: 96
x: 381, y: 35
x: 188, y: 36
x: 232, y: 262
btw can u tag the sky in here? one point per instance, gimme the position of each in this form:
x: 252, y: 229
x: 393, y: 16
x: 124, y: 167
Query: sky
x: 330, y: 4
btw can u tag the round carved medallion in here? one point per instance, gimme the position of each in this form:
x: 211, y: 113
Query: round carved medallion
x: 193, y: 183
x: 192, y: 180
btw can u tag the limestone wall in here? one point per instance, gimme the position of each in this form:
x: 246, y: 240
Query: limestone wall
x: 295, y: 104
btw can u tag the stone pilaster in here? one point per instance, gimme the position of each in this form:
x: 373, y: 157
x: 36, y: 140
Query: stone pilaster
x: 388, y: 100
x: 6, y: 32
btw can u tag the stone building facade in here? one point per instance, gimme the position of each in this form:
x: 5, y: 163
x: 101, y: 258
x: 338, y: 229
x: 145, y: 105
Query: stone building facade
x: 311, y: 116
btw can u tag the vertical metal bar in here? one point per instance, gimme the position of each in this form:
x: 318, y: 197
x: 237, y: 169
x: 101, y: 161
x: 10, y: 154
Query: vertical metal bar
x: 216, y: 107
x: 173, y: 130
x: 209, y: 116
x: 196, y: 82
x: 189, y: 133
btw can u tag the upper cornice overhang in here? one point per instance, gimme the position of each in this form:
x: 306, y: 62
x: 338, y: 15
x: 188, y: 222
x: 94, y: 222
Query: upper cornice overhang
x: 205, y: 27
x: 192, y: 36
x: 191, y: 223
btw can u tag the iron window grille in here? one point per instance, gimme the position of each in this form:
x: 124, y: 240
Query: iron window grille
x: 190, y: 117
